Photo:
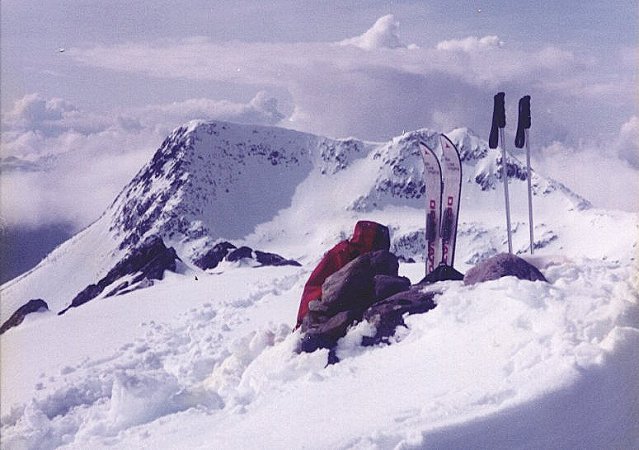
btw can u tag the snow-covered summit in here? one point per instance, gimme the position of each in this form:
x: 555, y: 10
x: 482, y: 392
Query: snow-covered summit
x: 212, y: 181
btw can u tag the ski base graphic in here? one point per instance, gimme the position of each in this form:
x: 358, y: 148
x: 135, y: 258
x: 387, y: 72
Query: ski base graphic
x: 442, y: 181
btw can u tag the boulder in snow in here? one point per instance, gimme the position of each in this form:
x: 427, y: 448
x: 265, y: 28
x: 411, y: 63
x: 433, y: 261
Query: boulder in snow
x: 503, y: 265
x: 442, y: 273
x: 352, y: 287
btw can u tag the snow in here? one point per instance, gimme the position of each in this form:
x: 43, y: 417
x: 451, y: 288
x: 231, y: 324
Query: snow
x: 207, y: 359
x: 542, y: 365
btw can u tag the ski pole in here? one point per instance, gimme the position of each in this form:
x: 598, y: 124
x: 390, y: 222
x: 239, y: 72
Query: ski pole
x: 523, y: 125
x: 499, y: 123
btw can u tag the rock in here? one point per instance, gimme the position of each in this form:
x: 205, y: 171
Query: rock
x: 35, y: 305
x: 388, y: 314
x: 147, y: 262
x: 346, y: 294
x: 385, y: 285
x: 503, y: 265
x: 212, y: 258
x: 272, y: 259
x: 326, y: 334
x: 352, y: 287
x: 442, y: 273
x: 240, y: 253
x: 229, y: 252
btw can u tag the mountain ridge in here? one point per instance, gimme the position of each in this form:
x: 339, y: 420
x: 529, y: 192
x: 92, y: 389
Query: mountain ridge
x: 212, y: 181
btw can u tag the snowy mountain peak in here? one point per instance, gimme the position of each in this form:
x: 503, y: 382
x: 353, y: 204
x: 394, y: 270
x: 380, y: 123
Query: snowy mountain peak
x: 217, y: 179
x: 273, y: 188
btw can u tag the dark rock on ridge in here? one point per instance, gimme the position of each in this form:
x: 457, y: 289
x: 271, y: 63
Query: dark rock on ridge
x: 146, y: 262
x: 214, y: 256
x: 229, y: 252
x: 36, y: 305
x: 272, y: 259
x: 240, y: 253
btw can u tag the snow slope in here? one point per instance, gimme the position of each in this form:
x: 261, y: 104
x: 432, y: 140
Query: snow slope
x: 207, y: 359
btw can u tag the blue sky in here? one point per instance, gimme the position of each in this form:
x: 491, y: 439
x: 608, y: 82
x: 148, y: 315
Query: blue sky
x: 79, y: 123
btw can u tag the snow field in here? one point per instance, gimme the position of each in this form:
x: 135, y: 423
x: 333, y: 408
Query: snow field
x: 225, y: 374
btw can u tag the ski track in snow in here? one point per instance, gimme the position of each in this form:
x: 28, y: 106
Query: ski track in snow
x: 226, y: 374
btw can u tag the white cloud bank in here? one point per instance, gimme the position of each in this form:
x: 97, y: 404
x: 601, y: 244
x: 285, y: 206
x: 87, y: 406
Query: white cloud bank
x: 373, y: 85
x: 604, y: 172
x: 63, y: 165
x: 470, y: 44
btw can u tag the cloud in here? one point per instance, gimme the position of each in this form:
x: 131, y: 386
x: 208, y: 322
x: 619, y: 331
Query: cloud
x: 627, y: 143
x: 337, y: 89
x: 262, y: 110
x: 71, y: 163
x: 470, y: 44
x: 383, y: 34
x: 50, y: 117
x: 64, y: 165
x: 604, y: 172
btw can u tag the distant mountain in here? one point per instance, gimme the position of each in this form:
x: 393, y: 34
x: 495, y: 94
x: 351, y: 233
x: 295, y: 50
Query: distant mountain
x: 214, y: 181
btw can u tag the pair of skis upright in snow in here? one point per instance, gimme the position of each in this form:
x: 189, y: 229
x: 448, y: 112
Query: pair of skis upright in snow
x: 442, y: 179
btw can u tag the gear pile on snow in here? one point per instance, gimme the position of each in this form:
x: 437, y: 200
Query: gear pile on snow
x: 369, y: 288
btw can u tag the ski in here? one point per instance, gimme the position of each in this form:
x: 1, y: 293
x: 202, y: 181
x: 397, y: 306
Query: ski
x: 433, y: 195
x: 451, y: 179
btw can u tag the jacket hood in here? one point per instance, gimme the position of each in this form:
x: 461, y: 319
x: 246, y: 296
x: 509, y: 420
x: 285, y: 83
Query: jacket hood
x: 370, y: 236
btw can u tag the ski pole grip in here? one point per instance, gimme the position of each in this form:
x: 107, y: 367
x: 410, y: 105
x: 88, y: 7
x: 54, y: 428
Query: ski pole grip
x: 524, y: 111
x: 499, y: 110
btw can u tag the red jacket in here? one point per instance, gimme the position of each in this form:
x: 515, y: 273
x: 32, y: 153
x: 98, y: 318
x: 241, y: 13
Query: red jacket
x: 367, y: 236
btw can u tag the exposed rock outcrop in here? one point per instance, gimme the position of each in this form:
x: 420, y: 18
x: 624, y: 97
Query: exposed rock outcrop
x: 225, y: 251
x: 146, y: 262
x: 214, y: 256
x: 32, y: 306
